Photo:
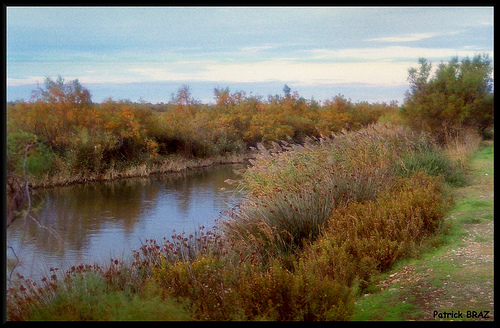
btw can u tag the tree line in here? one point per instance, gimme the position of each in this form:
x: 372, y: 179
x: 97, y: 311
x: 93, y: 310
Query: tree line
x: 66, y: 129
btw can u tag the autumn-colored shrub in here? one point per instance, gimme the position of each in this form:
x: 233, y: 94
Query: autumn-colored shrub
x: 92, y: 139
x: 219, y: 289
x: 364, y: 238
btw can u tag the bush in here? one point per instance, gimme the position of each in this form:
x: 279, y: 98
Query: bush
x: 460, y: 94
x: 218, y: 289
x: 40, y: 159
x: 433, y: 162
x: 368, y: 237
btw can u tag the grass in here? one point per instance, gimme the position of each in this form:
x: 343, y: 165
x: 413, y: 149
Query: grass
x: 387, y: 306
x: 293, y: 189
x: 85, y: 299
x: 320, y: 221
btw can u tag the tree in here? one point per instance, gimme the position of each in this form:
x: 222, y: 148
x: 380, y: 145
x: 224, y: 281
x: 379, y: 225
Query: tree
x: 286, y: 90
x: 222, y: 97
x: 458, y: 95
x: 60, y: 92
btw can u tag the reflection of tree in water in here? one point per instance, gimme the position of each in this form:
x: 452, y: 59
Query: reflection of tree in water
x: 76, y: 212
x: 189, y: 185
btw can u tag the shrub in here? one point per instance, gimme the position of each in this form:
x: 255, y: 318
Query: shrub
x: 460, y: 94
x: 40, y: 159
x: 219, y: 289
x: 363, y: 238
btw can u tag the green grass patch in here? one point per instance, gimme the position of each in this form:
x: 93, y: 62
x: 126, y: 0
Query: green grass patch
x: 89, y: 298
x: 387, y: 305
x: 433, y: 162
x: 486, y: 154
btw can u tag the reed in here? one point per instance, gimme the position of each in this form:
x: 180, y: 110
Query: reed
x: 460, y: 146
x: 293, y: 189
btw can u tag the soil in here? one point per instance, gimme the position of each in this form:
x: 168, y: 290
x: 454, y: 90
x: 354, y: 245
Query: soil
x: 469, y: 287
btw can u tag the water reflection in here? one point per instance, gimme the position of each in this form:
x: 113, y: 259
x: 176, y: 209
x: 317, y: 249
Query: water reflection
x: 98, y: 220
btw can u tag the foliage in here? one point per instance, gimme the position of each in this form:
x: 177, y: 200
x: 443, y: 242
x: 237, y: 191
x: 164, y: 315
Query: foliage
x: 292, y: 190
x: 88, y: 138
x: 460, y: 94
x: 40, y: 159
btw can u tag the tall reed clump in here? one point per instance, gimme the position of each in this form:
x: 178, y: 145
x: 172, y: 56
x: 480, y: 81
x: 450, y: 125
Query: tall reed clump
x: 293, y: 189
x: 366, y: 238
x: 460, y: 146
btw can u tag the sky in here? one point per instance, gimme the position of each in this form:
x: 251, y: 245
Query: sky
x: 148, y: 53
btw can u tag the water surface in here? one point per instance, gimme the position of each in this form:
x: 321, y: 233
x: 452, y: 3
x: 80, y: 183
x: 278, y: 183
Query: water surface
x: 99, y: 220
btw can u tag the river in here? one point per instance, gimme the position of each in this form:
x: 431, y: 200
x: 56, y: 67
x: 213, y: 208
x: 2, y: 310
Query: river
x: 87, y: 223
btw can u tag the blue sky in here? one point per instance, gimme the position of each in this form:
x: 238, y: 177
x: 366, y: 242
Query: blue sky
x: 149, y: 52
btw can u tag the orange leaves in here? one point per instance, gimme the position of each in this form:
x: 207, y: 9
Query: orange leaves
x: 130, y: 127
x: 124, y: 120
x: 126, y: 131
x: 152, y: 148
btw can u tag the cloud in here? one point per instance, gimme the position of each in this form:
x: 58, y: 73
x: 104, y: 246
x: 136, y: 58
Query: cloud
x: 25, y: 81
x: 391, y: 53
x: 255, y: 49
x: 386, y: 66
x: 405, y: 38
x: 283, y: 70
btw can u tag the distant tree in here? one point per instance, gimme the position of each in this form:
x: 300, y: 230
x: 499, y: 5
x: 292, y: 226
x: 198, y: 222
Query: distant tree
x: 286, y: 90
x: 183, y: 100
x: 222, y: 97
x: 59, y: 91
x: 459, y: 94
x: 225, y: 99
x: 183, y: 96
x: 56, y: 110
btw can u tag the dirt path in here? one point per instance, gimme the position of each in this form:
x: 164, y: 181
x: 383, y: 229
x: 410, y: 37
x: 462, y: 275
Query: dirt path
x: 456, y: 282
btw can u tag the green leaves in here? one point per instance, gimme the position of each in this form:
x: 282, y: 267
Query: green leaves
x: 458, y: 95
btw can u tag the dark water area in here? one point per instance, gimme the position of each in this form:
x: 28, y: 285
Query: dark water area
x: 95, y: 221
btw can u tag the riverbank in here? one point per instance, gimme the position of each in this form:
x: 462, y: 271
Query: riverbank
x: 453, y: 282
x: 17, y: 196
x: 173, y: 163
